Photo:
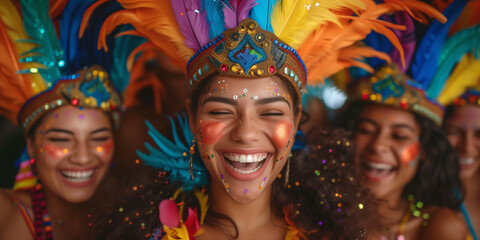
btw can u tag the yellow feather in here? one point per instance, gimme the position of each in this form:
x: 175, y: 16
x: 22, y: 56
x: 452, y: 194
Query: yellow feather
x: 203, y: 202
x: 293, y: 21
x: 465, y: 75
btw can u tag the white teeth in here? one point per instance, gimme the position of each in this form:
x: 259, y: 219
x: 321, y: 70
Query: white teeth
x: 245, y: 172
x: 467, y: 161
x: 379, y: 166
x: 78, y: 176
x: 245, y: 158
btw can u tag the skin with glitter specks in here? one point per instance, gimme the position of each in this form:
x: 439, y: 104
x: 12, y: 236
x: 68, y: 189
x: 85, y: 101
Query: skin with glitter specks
x: 252, y: 120
x: 64, y: 142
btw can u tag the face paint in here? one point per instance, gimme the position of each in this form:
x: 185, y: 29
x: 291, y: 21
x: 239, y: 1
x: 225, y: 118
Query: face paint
x: 409, y: 155
x: 54, y: 152
x: 211, y: 131
x: 107, y: 148
x: 282, y: 134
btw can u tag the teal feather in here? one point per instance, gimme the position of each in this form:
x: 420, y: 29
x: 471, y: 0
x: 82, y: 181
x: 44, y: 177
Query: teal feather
x: 215, y: 16
x: 169, y: 156
x: 261, y: 13
x: 467, y: 40
x: 40, y: 29
x: 124, y: 45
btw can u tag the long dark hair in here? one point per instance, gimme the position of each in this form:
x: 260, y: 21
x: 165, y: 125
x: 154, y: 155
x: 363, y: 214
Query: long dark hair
x: 323, y: 199
x: 437, y: 177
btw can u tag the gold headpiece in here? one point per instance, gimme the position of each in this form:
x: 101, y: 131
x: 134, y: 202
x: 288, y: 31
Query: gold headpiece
x: 390, y: 86
x: 90, y: 88
x: 247, y: 51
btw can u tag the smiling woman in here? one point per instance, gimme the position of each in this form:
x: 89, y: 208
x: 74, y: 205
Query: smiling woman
x: 230, y: 175
x: 68, y: 110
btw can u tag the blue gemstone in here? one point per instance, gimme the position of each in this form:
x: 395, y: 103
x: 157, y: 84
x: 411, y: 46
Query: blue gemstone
x: 276, y: 41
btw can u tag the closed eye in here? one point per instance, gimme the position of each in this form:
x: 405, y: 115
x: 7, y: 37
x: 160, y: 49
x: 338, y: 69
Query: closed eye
x: 272, y: 114
x: 54, y: 139
x: 219, y: 112
x: 100, y: 139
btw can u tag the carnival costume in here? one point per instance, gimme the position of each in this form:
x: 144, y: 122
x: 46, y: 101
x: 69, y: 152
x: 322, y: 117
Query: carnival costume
x: 458, y: 68
x: 415, y: 84
x: 40, y: 74
x: 245, y: 39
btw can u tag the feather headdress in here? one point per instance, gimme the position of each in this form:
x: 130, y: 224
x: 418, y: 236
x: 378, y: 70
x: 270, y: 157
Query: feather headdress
x: 414, y: 92
x: 323, y: 34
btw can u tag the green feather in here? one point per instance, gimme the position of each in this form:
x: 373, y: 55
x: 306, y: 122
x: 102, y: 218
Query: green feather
x: 40, y: 29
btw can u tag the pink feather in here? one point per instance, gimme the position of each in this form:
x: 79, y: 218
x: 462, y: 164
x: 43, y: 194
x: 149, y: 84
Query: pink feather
x: 237, y: 12
x: 407, y: 39
x: 192, y: 22
x: 168, y: 212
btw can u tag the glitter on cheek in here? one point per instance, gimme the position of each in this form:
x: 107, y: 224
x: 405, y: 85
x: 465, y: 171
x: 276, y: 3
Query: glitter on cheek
x: 106, y: 148
x: 281, y: 135
x: 54, y: 152
x: 81, y: 116
x: 409, y: 155
x: 211, y: 131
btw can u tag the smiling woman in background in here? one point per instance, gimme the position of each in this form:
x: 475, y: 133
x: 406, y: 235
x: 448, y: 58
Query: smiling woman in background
x: 68, y: 114
x: 401, y: 151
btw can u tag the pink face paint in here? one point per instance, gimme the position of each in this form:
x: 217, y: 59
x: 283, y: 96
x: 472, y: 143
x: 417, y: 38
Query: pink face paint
x: 106, y: 148
x: 410, y: 154
x: 282, y: 134
x: 54, y: 152
x: 211, y: 131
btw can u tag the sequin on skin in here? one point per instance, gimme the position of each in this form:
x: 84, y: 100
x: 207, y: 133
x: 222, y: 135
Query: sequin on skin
x: 282, y: 134
x: 211, y: 131
x: 53, y: 151
x: 409, y: 155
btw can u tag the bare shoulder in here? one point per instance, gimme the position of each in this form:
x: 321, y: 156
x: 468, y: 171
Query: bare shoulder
x: 444, y: 223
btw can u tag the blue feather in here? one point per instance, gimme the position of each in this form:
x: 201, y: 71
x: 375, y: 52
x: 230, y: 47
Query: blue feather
x: 70, y: 21
x: 123, y: 46
x: 261, y: 13
x: 467, y: 40
x: 424, y: 64
x: 40, y: 29
x: 215, y: 16
x: 169, y: 156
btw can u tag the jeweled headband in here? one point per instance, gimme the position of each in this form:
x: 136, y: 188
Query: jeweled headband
x: 247, y: 51
x: 90, y: 88
x: 391, y: 87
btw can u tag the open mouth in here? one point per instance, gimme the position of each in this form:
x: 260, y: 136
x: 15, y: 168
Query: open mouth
x: 377, y: 171
x: 467, y: 161
x: 77, y: 176
x: 245, y: 163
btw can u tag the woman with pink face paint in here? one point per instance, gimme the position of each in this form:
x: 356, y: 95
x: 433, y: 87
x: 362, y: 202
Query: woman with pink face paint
x: 462, y: 116
x: 230, y: 174
x: 68, y: 114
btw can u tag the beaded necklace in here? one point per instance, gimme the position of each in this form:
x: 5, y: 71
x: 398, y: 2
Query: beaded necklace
x: 413, y: 209
x: 43, y: 225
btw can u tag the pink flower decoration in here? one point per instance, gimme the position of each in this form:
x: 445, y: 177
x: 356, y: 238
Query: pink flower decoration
x: 168, y: 213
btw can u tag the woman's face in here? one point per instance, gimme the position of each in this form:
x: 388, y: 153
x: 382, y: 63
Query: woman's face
x: 72, y: 149
x: 387, y: 148
x: 463, y: 132
x: 244, y: 130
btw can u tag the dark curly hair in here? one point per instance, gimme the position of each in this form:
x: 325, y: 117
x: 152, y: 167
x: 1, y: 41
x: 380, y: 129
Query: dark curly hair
x: 323, y: 198
x: 437, y: 177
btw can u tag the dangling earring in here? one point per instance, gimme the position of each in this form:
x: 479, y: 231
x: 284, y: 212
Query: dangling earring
x: 287, y: 171
x: 190, y: 162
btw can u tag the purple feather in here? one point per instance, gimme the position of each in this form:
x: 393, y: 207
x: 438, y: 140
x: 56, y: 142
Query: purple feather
x: 407, y: 39
x: 237, y: 12
x: 192, y: 22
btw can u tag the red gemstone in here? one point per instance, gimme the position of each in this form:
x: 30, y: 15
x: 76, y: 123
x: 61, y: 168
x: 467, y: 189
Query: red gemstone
x: 74, y: 102
x: 32, y: 161
x: 224, y: 67
x: 271, y: 69
x: 404, y: 105
x: 365, y: 96
x: 112, y: 107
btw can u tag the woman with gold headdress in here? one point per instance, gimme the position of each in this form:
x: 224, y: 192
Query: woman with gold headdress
x: 401, y: 152
x: 67, y: 114
x: 247, y: 64
x: 461, y: 97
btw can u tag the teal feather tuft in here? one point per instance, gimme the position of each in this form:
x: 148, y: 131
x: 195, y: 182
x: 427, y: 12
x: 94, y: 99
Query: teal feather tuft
x: 467, y: 40
x: 124, y: 45
x: 169, y: 156
x: 215, y: 16
x: 261, y: 13
x: 40, y: 29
